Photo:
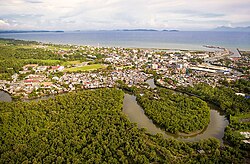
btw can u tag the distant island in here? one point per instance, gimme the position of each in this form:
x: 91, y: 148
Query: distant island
x: 40, y: 31
x: 26, y: 31
x: 146, y: 30
x: 225, y: 28
x: 137, y: 30
x: 171, y: 30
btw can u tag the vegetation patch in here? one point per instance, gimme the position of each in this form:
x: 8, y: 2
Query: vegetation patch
x: 89, y: 127
x: 237, y: 109
x: 85, y: 68
x: 43, y: 62
x: 58, y: 47
x: 175, y: 112
x: 72, y: 62
x: 14, y: 54
x: 242, y: 118
x: 224, y: 97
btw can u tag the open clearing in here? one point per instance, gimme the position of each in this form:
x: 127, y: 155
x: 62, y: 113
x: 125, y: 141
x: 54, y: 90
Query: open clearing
x: 85, y: 68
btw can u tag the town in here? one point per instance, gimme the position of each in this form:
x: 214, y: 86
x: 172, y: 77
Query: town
x: 104, y: 67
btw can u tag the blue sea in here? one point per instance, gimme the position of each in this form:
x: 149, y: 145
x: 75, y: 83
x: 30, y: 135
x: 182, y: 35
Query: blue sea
x: 143, y: 39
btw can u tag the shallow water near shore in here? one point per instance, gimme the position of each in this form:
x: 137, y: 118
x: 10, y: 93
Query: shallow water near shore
x: 190, y: 40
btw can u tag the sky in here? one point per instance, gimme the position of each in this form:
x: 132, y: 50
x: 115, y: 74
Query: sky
x: 122, y: 14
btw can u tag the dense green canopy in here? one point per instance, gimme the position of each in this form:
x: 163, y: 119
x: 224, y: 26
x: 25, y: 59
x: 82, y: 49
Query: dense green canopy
x: 175, y: 112
x: 89, y: 127
x: 224, y: 97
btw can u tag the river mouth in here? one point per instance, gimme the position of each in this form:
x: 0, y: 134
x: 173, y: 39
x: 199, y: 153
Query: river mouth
x: 136, y: 114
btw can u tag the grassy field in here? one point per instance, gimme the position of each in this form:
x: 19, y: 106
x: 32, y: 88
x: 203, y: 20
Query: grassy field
x: 31, y: 46
x: 57, y: 47
x: 51, y: 62
x: 85, y: 68
x: 73, y: 62
x: 26, y: 46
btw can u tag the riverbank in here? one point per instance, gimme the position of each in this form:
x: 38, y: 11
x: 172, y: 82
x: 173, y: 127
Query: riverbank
x: 190, y: 134
x: 95, y: 129
x: 136, y: 114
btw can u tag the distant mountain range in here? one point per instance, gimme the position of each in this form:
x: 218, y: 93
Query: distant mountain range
x: 146, y: 30
x: 225, y: 28
x: 221, y: 28
x: 34, y: 31
x: 26, y: 31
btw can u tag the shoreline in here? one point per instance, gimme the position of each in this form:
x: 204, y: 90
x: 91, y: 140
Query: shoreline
x: 192, y: 134
x: 134, y: 42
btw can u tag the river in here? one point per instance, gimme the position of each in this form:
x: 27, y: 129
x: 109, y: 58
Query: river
x: 151, y: 83
x: 136, y: 115
x: 5, y: 97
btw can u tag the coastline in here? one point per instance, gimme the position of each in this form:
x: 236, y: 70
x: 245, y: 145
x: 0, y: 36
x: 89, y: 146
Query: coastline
x: 133, y: 39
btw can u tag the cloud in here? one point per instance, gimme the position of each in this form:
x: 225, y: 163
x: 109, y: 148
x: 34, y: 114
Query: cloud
x: 196, y: 13
x: 4, y: 24
x: 33, y: 1
x: 113, y: 14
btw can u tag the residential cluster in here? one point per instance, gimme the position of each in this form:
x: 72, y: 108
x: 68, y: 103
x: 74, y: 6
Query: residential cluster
x: 246, y: 135
x: 41, y: 84
x: 132, y: 66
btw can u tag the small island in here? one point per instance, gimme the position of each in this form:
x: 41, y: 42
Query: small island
x: 148, y: 30
x: 28, y: 31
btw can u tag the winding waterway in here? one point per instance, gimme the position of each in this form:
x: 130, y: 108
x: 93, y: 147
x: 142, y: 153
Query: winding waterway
x: 136, y: 115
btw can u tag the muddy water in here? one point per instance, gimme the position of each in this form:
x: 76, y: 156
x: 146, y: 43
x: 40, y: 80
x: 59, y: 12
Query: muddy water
x: 151, y: 83
x: 136, y: 115
x: 4, y: 96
